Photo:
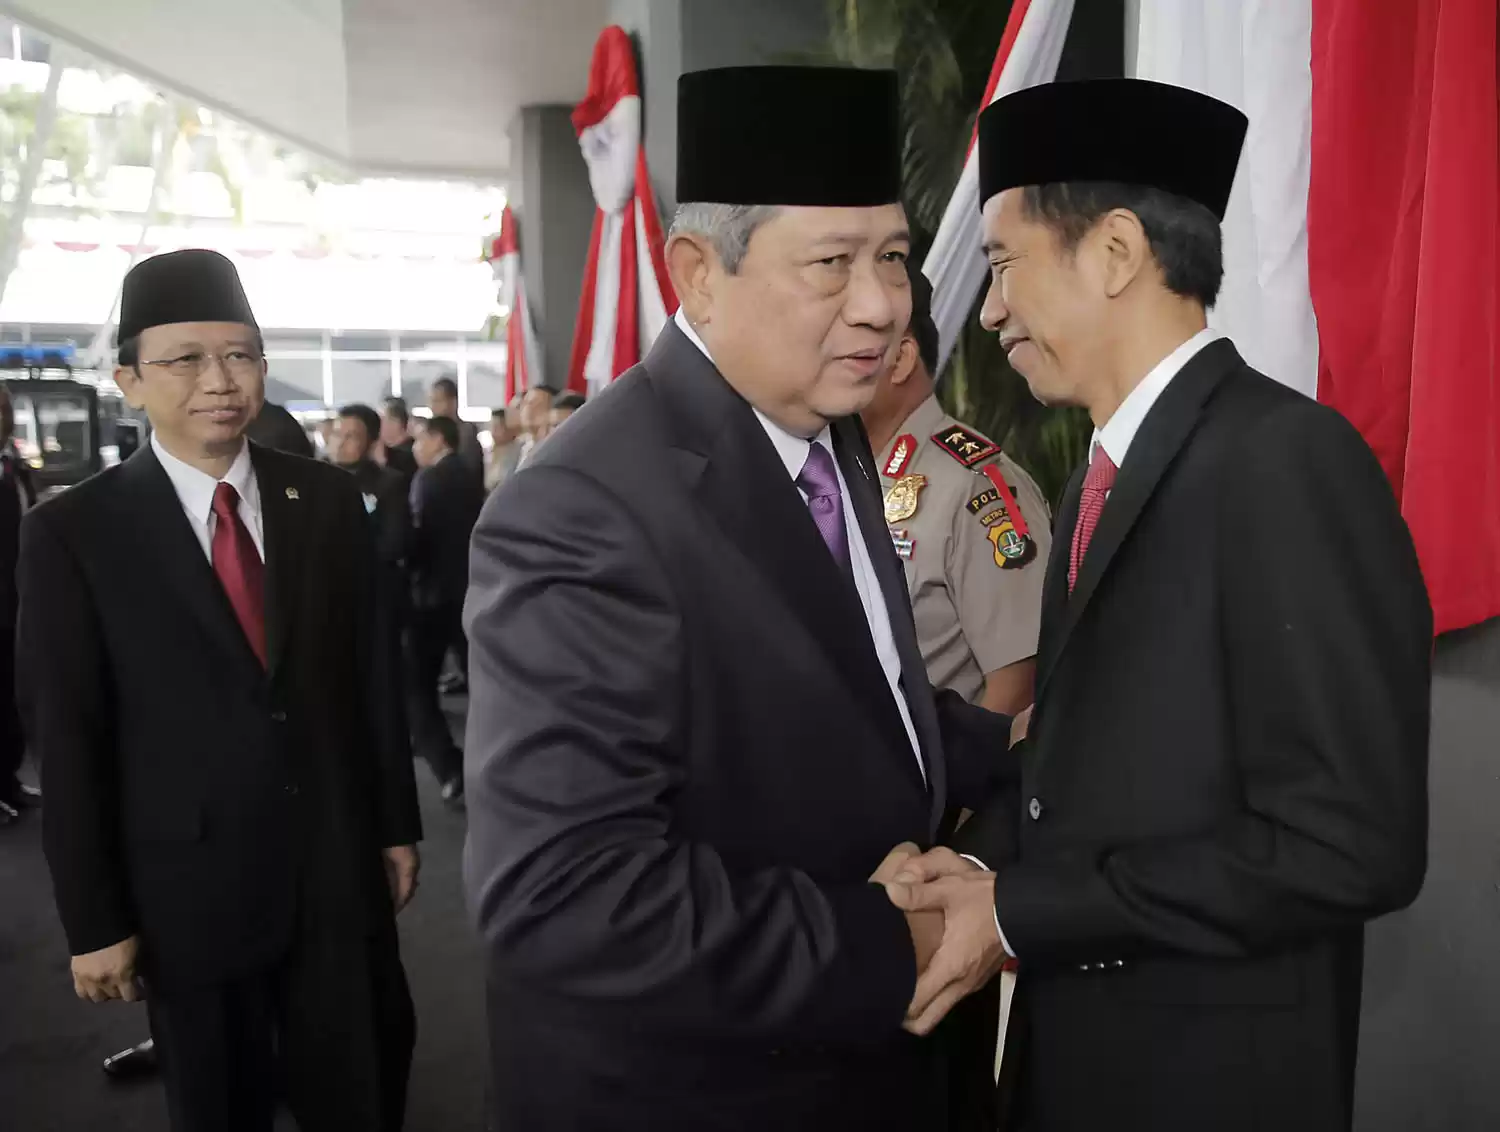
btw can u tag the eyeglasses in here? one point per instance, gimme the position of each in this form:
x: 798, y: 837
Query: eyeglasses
x: 238, y: 364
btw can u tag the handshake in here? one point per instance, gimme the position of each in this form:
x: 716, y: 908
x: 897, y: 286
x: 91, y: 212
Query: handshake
x: 949, y: 903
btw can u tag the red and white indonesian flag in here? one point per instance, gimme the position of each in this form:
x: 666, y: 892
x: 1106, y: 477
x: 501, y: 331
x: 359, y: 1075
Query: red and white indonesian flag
x: 1363, y: 235
x: 627, y: 297
x: 1029, y: 51
x: 523, y: 354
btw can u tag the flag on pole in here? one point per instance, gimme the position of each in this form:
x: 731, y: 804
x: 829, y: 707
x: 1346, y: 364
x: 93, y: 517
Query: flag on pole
x: 627, y: 297
x: 1030, y: 48
x: 1362, y: 237
x: 523, y: 354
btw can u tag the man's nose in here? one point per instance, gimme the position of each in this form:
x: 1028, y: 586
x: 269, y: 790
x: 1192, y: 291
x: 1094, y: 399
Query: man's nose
x: 994, y: 312
x: 874, y: 302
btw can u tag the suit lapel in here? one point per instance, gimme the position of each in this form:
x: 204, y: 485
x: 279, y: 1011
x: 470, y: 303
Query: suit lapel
x: 856, y: 462
x: 185, y: 570
x: 284, y: 497
x: 740, y: 480
x: 1161, y: 437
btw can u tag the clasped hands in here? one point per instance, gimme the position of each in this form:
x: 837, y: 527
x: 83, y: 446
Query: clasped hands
x: 949, y: 903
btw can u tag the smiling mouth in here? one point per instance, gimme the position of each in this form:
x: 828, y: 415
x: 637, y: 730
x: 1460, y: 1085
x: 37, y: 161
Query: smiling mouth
x: 220, y: 414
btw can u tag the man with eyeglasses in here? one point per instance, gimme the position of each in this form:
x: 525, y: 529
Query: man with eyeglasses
x: 211, y: 689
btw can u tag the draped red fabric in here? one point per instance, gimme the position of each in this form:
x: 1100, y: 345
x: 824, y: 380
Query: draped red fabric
x: 1403, y: 224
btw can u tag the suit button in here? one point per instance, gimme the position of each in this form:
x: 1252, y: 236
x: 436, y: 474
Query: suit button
x: 1035, y: 809
x: 278, y: 717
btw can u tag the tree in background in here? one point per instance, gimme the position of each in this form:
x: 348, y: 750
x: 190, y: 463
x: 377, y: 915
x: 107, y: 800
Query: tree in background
x: 943, y: 51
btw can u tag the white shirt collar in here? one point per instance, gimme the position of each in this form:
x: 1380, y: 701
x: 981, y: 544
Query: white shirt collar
x: 792, y: 449
x: 196, y: 489
x: 1119, y: 431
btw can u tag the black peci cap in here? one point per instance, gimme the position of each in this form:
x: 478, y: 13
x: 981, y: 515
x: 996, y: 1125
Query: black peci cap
x: 1127, y: 130
x: 820, y: 136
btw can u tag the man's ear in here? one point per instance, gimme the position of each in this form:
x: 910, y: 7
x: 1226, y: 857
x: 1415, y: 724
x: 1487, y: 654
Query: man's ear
x: 129, y: 382
x: 906, y: 361
x: 1124, y: 251
x: 691, y: 263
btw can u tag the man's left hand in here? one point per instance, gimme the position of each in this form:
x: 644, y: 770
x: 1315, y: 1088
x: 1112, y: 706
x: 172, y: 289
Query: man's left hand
x: 971, y: 952
x: 402, y: 864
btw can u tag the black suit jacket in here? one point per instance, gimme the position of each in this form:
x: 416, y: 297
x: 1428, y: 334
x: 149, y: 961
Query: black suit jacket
x: 401, y: 459
x: 1225, y: 775
x: 15, y: 481
x: 683, y: 764
x: 193, y: 797
x: 445, y: 504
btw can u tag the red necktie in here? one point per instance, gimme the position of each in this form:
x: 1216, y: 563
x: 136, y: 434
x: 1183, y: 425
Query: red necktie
x: 240, y: 570
x: 1096, y: 487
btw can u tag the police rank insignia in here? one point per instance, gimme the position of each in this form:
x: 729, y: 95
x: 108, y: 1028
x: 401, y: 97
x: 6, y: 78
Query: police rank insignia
x: 901, y: 499
x: 901, y: 453
x: 1014, y: 548
x: 968, y: 448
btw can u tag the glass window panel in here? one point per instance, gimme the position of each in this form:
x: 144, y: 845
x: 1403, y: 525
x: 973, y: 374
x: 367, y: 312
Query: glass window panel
x: 486, y: 386
x: 295, y: 380
x: 361, y: 342
x: 292, y: 341
x: 417, y: 374
x: 365, y: 382
x: 52, y: 431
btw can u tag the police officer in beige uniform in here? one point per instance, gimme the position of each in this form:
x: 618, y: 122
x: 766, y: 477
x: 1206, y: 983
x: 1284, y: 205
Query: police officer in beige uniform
x: 970, y: 525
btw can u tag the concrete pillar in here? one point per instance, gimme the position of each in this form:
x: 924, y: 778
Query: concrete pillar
x: 1431, y: 1026
x: 554, y: 204
x: 675, y: 36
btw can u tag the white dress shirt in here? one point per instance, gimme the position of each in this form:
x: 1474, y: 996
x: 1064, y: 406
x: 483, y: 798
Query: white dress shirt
x: 1119, y: 431
x: 793, y: 451
x: 195, y: 491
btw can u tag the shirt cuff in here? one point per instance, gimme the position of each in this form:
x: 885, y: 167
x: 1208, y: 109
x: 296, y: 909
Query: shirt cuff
x: 1005, y: 943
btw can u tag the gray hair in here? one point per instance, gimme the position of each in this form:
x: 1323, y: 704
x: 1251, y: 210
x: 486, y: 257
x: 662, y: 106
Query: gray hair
x: 728, y: 227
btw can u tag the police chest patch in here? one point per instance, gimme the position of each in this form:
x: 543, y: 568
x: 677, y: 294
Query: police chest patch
x: 968, y: 448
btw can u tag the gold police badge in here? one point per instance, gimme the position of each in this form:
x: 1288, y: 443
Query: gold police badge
x: 901, y: 499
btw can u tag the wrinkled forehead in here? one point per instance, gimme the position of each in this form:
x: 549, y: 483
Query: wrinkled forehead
x: 185, y: 336
x: 852, y: 228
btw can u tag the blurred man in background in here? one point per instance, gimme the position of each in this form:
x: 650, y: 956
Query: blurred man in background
x: 563, y: 408
x: 445, y: 503
x: 505, y: 444
x: 442, y: 399
x: 17, y: 496
x: 395, y: 437
x: 536, y: 419
x: 274, y: 427
x: 382, y: 490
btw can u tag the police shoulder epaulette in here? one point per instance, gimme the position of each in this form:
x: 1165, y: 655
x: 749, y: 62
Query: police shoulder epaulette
x: 968, y: 448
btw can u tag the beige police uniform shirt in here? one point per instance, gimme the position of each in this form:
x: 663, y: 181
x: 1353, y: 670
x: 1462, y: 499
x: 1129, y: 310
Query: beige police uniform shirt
x: 975, y: 579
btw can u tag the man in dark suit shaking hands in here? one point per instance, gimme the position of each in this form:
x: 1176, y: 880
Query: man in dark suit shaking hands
x: 700, y: 717
x: 213, y: 700
x: 1226, y: 770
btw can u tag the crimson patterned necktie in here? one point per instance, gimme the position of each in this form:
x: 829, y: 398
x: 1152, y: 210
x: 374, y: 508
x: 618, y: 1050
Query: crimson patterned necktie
x: 240, y: 570
x: 819, y: 481
x: 1096, y: 487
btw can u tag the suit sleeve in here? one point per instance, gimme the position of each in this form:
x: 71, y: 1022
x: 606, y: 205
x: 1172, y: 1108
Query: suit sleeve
x: 395, y: 522
x: 398, y: 819
x: 64, y: 694
x: 1328, y: 644
x: 577, y: 742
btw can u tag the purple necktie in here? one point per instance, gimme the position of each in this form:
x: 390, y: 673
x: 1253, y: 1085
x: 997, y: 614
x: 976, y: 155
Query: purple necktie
x: 819, y: 481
